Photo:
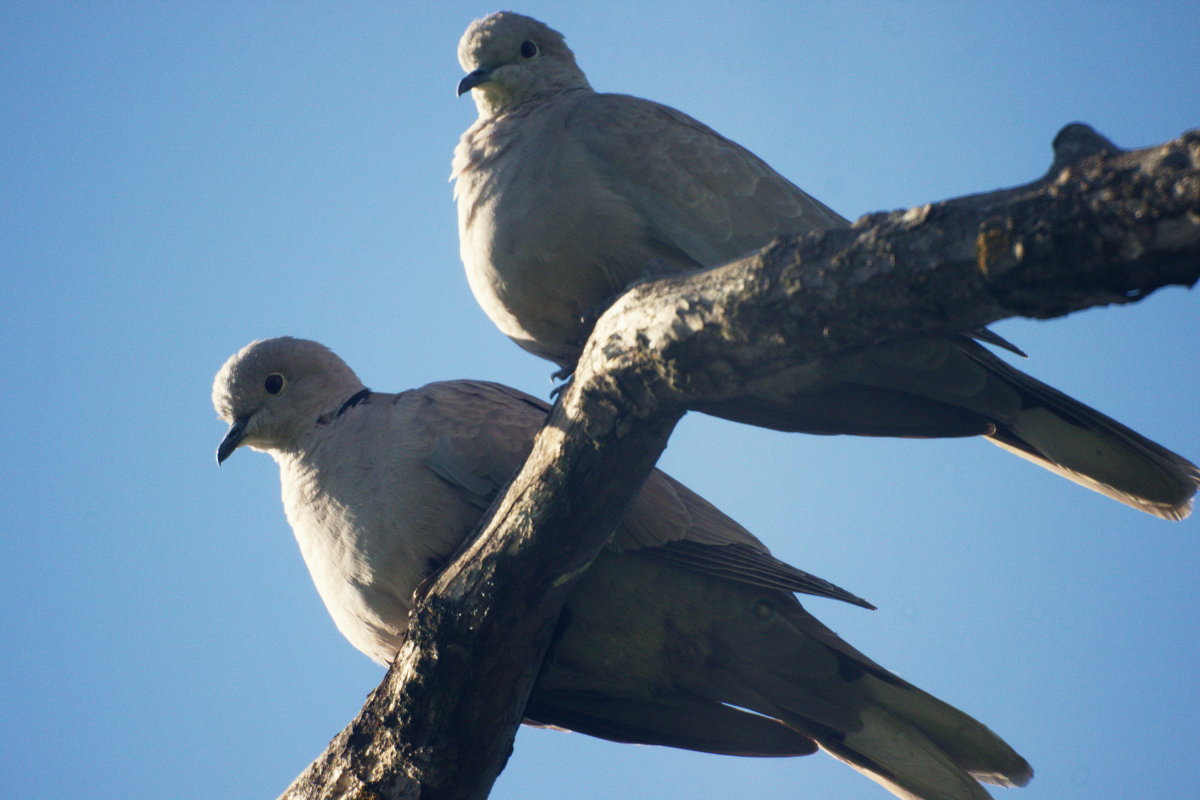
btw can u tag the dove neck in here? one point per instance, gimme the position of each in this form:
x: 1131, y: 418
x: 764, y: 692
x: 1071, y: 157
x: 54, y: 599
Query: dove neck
x: 490, y: 107
x: 358, y: 397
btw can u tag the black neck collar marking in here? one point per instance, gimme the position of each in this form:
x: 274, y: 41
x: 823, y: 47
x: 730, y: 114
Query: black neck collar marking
x: 358, y: 397
x: 353, y: 400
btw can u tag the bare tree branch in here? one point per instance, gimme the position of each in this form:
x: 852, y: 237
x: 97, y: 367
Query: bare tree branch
x: 1111, y: 227
x: 1103, y: 226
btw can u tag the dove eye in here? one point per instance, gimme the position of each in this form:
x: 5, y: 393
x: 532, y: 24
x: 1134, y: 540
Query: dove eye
x: 528, y: 49
x: 274, y: 383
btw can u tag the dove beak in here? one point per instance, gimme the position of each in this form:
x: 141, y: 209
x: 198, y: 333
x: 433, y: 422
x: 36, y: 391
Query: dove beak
x: 473, y: 79
x: 233, y: 439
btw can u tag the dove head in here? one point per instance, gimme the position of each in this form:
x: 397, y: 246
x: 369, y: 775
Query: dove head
x: 511, y: 59
x: 273, y: 391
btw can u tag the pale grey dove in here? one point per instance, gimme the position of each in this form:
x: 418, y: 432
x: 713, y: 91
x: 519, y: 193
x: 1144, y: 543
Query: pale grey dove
x: 684, y: 632
x: 566, y: 196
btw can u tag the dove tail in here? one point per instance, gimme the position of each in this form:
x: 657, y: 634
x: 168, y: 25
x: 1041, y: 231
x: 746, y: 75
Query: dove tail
x: 1081, y: 444
x: 920, y: 748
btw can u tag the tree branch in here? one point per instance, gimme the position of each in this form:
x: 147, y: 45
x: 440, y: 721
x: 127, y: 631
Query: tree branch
x: 1103, y: 226
x: 1109, y: 227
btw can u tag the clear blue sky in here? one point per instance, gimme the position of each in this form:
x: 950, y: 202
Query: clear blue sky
x: 181, y: 178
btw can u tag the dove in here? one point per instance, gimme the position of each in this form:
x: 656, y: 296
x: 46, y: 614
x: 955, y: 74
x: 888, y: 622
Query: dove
x: 684, y: 632
x: 567, y: 196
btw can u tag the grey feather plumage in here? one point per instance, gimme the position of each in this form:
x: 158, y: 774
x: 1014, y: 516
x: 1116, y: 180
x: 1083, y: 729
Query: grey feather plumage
x: 566, y: 196
x: 684, y: 632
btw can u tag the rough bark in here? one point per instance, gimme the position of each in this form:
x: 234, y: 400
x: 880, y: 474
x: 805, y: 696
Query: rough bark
x: 1102, y: 226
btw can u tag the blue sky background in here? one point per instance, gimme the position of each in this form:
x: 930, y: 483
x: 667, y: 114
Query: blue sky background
x: 181, y: 178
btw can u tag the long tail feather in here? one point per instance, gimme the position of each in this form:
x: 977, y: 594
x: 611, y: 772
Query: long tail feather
x: 1092, y: 449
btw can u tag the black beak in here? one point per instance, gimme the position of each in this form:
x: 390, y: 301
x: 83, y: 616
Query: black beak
x: 233, y: 438
x: 473, y: 79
